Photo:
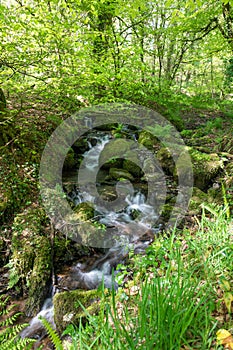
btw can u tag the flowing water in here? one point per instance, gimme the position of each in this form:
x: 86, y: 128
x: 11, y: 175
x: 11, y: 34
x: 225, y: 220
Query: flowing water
x: 128, y: 238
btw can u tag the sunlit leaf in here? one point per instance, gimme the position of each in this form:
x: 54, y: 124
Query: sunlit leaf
x: 225, y: 285
x: 228, y: 299
x: 224, y: 338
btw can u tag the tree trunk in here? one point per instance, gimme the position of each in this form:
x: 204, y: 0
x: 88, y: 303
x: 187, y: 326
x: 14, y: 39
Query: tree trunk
x: 2, y: 105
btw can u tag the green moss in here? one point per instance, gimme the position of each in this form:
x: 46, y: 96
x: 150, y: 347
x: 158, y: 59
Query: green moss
x: 114, y: 149
x: 70, y: 161
x: 83, y: 212
x: 38, y: 281
x: 68, y: 309
x: 119, y: 174
x: 113, y: 163
x: 147, y: 139
x: 166, y: 161
x: 198, y: 198
x: 206, y: 167
x: 131, y: 166
x: 30, y: 262
x: 66, y: 250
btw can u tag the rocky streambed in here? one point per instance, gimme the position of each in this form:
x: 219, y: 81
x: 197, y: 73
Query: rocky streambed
x: 54, y: 271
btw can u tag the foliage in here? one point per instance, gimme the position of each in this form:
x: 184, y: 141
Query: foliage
x: 69, y: 54
x: 172, y: 56
x: 171, y: 301
x: 9, y: 334
x: 54, y: 337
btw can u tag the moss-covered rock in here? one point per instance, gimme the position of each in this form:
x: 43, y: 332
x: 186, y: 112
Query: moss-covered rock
x: 66, y: 251
x: 83, y: 212
x: 112, y: 163
x: 70, y: 161
x: 106, y: 127
x: 198, y: 198
x: 68, y: 309
x: 119, y: 174
x: 81, y: 145
x: 40, y: 276
x: 114, y: 149
x: 147, y: 140
x: 166, y: 161
x: 30, y: 263
x: 206, y: 167
x: 79, y: 224
x: 131, y: 166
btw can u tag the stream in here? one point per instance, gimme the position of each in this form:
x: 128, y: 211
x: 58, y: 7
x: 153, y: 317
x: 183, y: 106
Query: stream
x: 126, y: 229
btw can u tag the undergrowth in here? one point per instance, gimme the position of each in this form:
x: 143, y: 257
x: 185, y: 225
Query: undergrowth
x: 9, y: 330
x: 179, y: 297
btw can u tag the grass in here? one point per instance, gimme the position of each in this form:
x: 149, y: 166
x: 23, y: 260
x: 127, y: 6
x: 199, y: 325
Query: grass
x: 176, y: 299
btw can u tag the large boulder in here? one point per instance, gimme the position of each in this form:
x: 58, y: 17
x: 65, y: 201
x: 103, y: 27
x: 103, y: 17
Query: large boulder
x: 148, y: 140
x: 68, y: 307
x: 114, y: 150
x: 30, y: 263
x: 165, y: 160
x: 83, y: 212
x: 118, y: 174
x: 206, y: 167
x: 70, y: 160
x: 198, y: 198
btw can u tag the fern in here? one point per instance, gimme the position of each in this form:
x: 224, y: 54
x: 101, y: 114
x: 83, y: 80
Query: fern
x: 3, y: 304
x: 9, y: 334
x: 53, y: 336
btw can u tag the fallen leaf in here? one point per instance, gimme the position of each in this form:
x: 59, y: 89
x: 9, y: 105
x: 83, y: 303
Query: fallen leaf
x: 225, y: 338
x: 228, y: 298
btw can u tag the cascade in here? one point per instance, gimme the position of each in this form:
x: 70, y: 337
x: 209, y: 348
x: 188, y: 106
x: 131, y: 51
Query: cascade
x: 128, y: 238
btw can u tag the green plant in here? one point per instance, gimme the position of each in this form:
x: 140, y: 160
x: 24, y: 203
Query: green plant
x: 211, y: 251
x: 225, y: 201
x: 9, y: 334
x: 186, y: 133
x: 161, y: 132
x: 14, y: 275
x: 163, y: 312
x: 54, y: 337
x: 217, y: 123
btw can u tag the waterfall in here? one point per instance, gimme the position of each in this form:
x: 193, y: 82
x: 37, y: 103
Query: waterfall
x: 128, y: 229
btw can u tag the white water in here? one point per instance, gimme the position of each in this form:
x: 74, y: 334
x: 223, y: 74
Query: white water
x: 91, y: 157
x: 35, y: 328
x: 128, y: 239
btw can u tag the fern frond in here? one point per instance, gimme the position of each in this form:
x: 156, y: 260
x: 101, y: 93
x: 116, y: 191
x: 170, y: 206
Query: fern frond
x: 3, y: 305
x: 11, y: 332
x: 10, y: 320
x: 53, y: 336
x: 17, y: 343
